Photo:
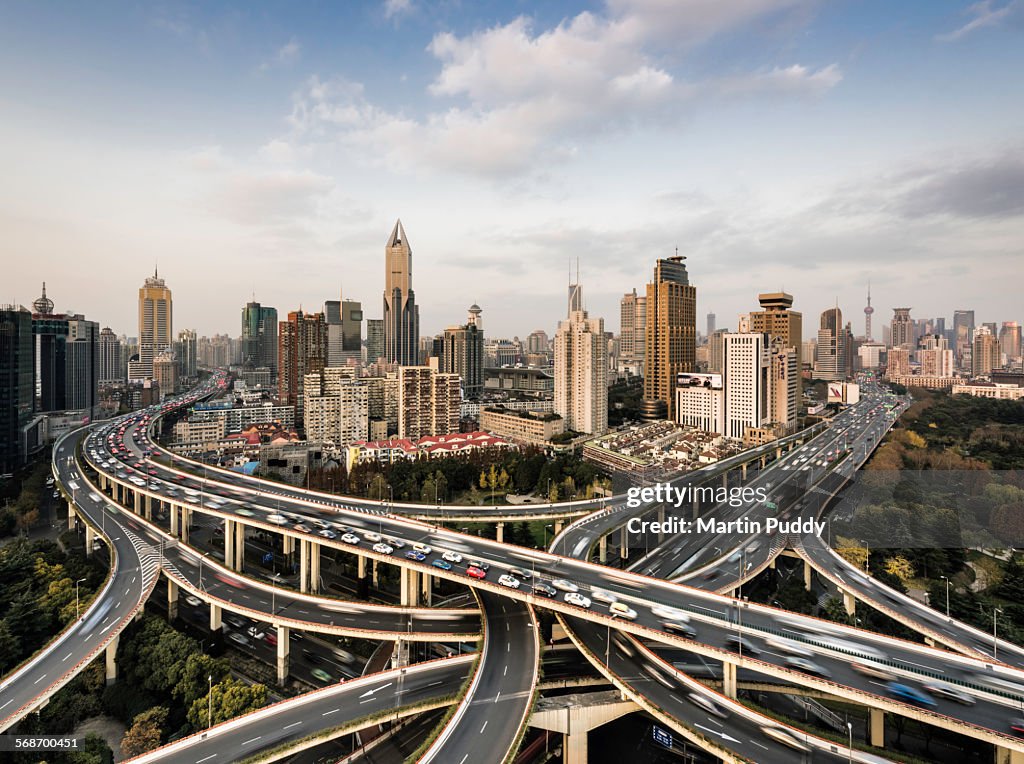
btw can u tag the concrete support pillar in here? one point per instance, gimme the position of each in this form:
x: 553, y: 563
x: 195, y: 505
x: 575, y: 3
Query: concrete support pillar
x: 186, y: 521
x: 374, y: 574
x: 172, y: 600
x: 314, y: 567
x: 729, y: 680
x: 111, y: 659
x: 400, y: 654
x: 778, y: 452
x: 807, y: 575
x: 361, y: 565
x: 696, y: 509
x: 501, y: 533
x: 849, y: 603
x: 148, y: 507
x: 427, y: 583
x: 764, y: 461
x: 1008, y: 756
x: 89, y: 536
x: 71, y: 518
x: 623, y: 544
x: 303, y: 565
x: 876, y: 728
x: 229, y: 543
x: 215, y: 618
x: 174, y: 520
x: 288, y: 545
x: 558, y: 526
x: 239, y: 546
x: 575, y: 747
x: 725, y: 480
x: 283, y: 643
x: 602, y: 549
x: 743, y: 470
x: 410, y: 588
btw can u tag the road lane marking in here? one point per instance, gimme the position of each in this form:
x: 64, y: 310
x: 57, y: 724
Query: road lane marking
x: 252, y: 741
x: 293, y: 724
x: 65, y: 657
x: 40, y: 679
x: 206, y: 758
x: 332, y: 711
x: 484, y: 727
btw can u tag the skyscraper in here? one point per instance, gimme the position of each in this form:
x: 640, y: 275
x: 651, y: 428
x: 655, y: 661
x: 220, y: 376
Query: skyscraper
x: 632, y: 336
x: 374, y: 340
x: 831, y: 353
x: 401, y: 314
x: 776, y: 319
x: 428, y: 402
x: 746, y: 382
x: 16, y: 389
x: 711, y: 325
x: 670, y: 342
x: 259, y: 337
x: 110, y: 358
x: 902, y: 331
x: 581, y: 372
x: 302, y: 350
x: 986, y: 352
x: 155, y: 322
x: 67, y: 359
x: 186, y: 352
x: 462, y: 352
x: 1009, y: 339
x: 963, y: 334
x: 868, y: 311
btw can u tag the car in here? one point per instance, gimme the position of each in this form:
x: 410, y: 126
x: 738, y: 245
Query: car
x: 712, y: 574
x: 350, y: 538
x: 56, y: 494
x: 742, y: 645
x: 302, y: 527
x: 239, y: 639
x: 193, y: 601
x: 319, y: 523
x: 372, y: 537
x: 602, y: 595
x: 478, y: 564
x: 412, y: 554
x: 452, y: 557
x: 564, y: 585
x: 474, y: 572
x: 873, y: 671
x: 621, y: 610
x: 788, y: 646
x: 706, y: 704
x: 256, y: 632
x: 510, y: 581
x: 943, y: 690
x: 522, y: 575
x: 328, y: 534
x: 244, y: 512
x: 908, y: 694
x: 395, y: 543
x: 669, y: 613
x: 655, y: 673
x: 422, y: 548
x: 676, y: 627
x: 1017, y: 726
x: 546, y: 589
x: 343, y: 655
x: 806, y: 666
x: 577, y: 599
x: 785, y: 737
x: 321, y: 675
x: 271, y: 638
x: 277, y: 519
x: 382, y: 548
x: 442, y: 564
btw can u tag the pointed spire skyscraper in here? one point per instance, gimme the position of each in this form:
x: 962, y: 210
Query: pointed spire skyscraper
x: 401, y: 314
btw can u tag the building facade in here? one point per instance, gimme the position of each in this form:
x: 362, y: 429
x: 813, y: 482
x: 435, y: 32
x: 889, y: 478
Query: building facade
x: 428, y: 402
x: 259, y: 337
x: 302, y: 350
x: 335, y: 407
x: 401, y: 314
x: 831, y: 350
x: 633, y: 332
x: 670, y: 332
x: 581, y: 373
x: 156, y: 322
x: 462, y: 353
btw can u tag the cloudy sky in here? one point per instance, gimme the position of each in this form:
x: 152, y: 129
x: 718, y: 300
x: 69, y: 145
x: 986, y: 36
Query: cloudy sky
x: 267, y: 148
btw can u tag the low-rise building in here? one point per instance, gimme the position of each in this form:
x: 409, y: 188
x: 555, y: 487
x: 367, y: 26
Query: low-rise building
x: 522, y: 426
x: 991, y: 390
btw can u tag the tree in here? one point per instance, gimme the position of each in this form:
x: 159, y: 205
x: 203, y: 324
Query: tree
x: 851, y: 552
x: 230, y: 698
x: 145, y: 732
x: 378, y: 488
x: 194, y: 682
x: 900, y: 567
x: 26, y: 520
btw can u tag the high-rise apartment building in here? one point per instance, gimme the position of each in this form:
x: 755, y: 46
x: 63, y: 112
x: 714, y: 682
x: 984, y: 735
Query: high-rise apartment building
x: 429, y: 402
x: 716, y: 351
x: 986, y: 352
x: 401, y: 314
x: 671, y: 333
x: 777, y: 319
x: 374, y: 340
x: 165, y: 374
x: 935, y: 356
x: 110, y: 358
x: 633, y: 332
x: 831, y: 353
x: 335, y: 407
x: 156, y: 322
x: 901, y: 331
x: 259, y: 337
x: 186, y: 351
x: 462, y: 352
x: 746, y: 382
x: 302, y: 350
x: 581, y: 373
x: 783, y: 384
x: 537, y: 342
x: 382, y: 404
x: 16, y: 389
x: 67, y: 359
x: 897, y: 363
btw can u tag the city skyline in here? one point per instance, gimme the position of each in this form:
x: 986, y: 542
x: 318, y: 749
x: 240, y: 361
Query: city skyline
x: 780, y: 146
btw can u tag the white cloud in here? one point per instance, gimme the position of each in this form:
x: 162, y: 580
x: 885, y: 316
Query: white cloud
x: 985, y: 14
x: 396, y: 8
x: 286, y: 54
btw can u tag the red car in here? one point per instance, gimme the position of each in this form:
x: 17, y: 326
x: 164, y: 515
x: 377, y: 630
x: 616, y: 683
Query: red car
x: 474, y: 572
x: 270, y: 638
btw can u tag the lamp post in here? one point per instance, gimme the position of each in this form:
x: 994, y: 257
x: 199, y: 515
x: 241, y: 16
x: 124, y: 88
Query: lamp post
x: 203, y: 557
x: 849, y: 729
x: 76, y: 596
x: 867, y: 556
x: 209, y: 704
x: 947, y: 595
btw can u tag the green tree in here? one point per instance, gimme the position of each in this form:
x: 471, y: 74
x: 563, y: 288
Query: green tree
x: 145, y: 732
x: 230, y: 698
x: 194, y: 682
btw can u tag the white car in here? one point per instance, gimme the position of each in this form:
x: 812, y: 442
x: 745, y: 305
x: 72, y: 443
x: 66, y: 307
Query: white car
x: 277, y: 519
x: 577, y: 599
x: 670, y: 613
x: 565, y: 586
x: 370, y: 536
x: 422, y: 548
x: 622, y: 610
x: 604, y: 596
x: 510, y: 581
x: 382, y: 548
x: 452, y: 557
x: 327, y: 534
x: 350, y: 538
x: 193, y: 601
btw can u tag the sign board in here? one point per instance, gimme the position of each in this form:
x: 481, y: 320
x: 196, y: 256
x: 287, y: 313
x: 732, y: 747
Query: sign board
x: 661, y: 736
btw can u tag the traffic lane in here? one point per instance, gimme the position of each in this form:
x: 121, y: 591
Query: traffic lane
x: 504, y: 695
x: 661, y: 689
x: 303, y: 716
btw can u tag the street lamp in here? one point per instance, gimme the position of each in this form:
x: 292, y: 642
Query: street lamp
x: 849, y: 728
x: 867, y: 556
x: 76, y: 596
x: 209, y: 704
x: 203, y: 557
x: 995, y: 642
x: 947, y: 594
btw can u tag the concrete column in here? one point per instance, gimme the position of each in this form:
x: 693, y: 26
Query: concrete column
x: 283, y: 643
x: 288, y: 545
x: 725, y: 480
x: 400, y: 654
x: 71, y: 518
x: 215, y: 617
x: 303, y: 565
x: 314, y: 567
x: 186, y: 521
x: 623, y: 544
x: 743, y: 470
x: 172, y: 600
x: 89, y: 536
x: 558, y: 526
x: 427, y: 583
x: 602, y: 549
x: 807, y: 575
x: 410, y: 588
x: 778, y: 452
x: 575, y: 747
x: 696, y: 509
x: 1008, y: 756
x: 361, y: 565
x: 729, y: 680
x: 374, y: 573
x: 148, y: 507
x: 239, y: 546
x: 876, y: 728
x: 849, y: 602
x: 764, y: 461
x: 111, y: 656
x: 174, y: 519
x: 501, y: 533
x: 229, y: 543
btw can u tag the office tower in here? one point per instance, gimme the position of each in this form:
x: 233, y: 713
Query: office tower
x: 711, y: 324
x: 302, y: 350
x: 165, y: 374
x: 671, y: 331
x: 612, y: 355
x: 935, y: 356
x: 777, y: 319
x: 82, y: 365
x: 700, y: 401
x: 401, y: 315
x: 428, y: 402
x: 335, y: 407
x: 1009, y: 339
x: 963, y: 335
x: 716, y: 356
x: 537, y: 342
x: 156, y: 322
x: 17, y: 392
x: 259, y: 337
x: 783, y: 384
x: 632, y: 335
x: 831, y: 352
x: 991, y: 326
x: 575, y: 302
x: 581, y: 373
x: 187, y: 353
x: 985, y: 356
x: 746, y: 381
x: 868, y: 311
x: 110, y: 358
x: 870, y: 354
x: 940, y: 327
x: 743, y: 323
x: 902, y: 329
x: 462, y: 353
x: 897, y: 363
x: 374, y: 340
x: 344, y: 331
x: 809, y: 354
x: 67, y: 359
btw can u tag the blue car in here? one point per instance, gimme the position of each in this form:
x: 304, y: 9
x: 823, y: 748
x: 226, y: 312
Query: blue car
x: 442, y: 564
x: 412, y: 554
x: 908, y: 694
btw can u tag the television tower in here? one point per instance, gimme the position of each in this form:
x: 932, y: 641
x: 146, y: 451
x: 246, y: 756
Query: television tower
x: 868, y: 310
